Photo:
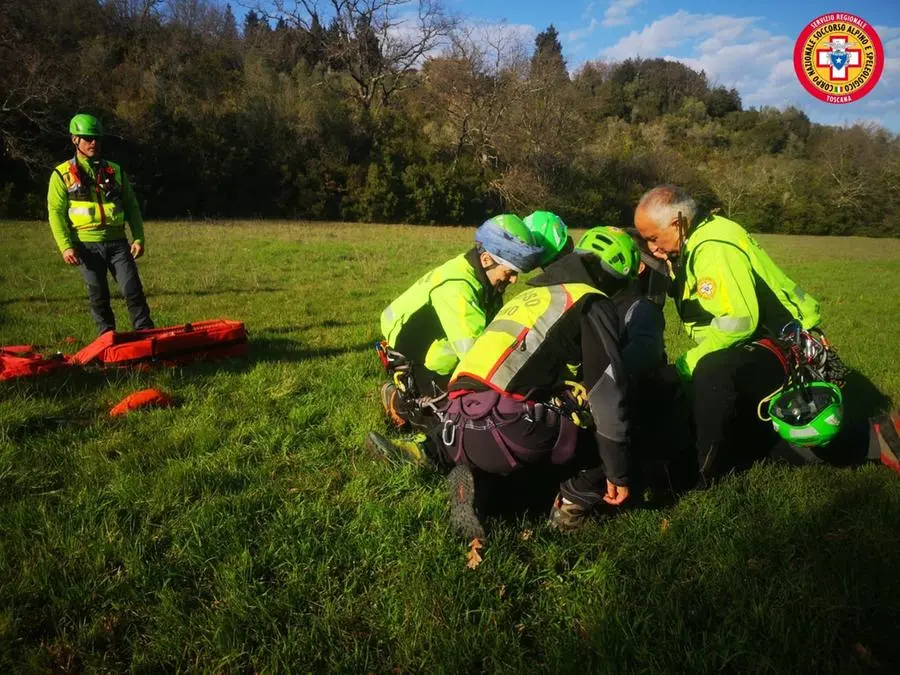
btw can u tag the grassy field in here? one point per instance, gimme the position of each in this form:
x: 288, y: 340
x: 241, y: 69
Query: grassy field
x: 247, y: 530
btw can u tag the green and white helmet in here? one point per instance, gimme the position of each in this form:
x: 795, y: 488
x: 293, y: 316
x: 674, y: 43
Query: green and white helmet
x: 808, y: 415
x: 550, y: 233
x: 616, y: 250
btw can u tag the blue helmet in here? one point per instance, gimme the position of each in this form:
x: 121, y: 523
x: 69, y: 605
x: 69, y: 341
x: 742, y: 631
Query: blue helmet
x: 510, y: 242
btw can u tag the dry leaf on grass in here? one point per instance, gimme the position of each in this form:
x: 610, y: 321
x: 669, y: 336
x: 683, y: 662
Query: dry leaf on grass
x: 664, y: 525
x: 473, y: 557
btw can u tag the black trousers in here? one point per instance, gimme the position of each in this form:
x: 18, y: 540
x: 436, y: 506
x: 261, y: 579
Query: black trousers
x: 726, y: 389
x: 427, y: 381
x: 532, y: 486
x: 114, y: 257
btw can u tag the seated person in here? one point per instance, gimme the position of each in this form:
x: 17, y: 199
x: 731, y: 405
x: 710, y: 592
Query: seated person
x: 734, y: 301
x: 436, y: 321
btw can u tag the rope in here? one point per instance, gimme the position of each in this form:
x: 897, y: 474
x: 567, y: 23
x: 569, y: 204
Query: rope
x: 766, y: 400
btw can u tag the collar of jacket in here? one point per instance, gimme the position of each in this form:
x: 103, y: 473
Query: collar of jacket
x: 91, y: 166
x: 678, y: 263
x: 568, y: 269
x: 702, y: 219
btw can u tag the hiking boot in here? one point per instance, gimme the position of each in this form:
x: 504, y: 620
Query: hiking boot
x: 887, y: 431
x: 463, y: 518
x: 390, y: 401
x: 412, y: 451
x: 567, y: 516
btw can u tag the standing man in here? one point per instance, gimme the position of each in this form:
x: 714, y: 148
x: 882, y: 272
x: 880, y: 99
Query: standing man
x: 89, y: 202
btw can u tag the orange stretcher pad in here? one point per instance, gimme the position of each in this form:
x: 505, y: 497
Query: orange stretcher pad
x: 173, y: 345
x: 23, y: 361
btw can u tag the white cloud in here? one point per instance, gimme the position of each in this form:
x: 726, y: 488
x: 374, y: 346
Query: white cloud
x: 890, y: 37
x: 617, y: 12
x: 672, y: 31
x: 581, y: 33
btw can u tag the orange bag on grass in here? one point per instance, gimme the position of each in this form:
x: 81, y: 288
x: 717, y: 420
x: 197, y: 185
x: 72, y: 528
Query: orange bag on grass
x: 145, y: 398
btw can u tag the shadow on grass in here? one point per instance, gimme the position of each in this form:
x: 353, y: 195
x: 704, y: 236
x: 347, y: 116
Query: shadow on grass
x: 299, y: 328
x: 280, y: 350
x: 862, y: 399
x: 77, y: 380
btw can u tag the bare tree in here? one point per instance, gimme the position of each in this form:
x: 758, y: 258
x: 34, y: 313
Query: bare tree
x: 31, y: 85
x: 472, y: 87
x: 377, y: 43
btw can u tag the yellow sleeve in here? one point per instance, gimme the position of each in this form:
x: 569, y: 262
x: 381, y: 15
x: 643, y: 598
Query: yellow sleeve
x: 726, y: 289
x: 58, y: 211
x: 461, y: 315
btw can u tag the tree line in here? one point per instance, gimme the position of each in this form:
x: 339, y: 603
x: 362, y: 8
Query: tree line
x: 397, y: 111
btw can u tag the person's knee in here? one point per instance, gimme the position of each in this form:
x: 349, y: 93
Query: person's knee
x: 714, y: 371
x: 132, y: 289
x: 98, y: 293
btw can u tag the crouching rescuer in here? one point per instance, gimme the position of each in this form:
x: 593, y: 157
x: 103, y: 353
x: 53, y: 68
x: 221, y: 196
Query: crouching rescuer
x: 760, y: 364
x: 434, y: 323
x: 548, y: 364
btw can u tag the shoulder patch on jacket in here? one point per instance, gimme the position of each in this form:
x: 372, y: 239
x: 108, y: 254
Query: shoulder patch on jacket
x: 706, y: 288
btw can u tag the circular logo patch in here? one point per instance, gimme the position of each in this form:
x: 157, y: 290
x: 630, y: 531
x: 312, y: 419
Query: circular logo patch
x: 838, y: 58
x: 706, y: 288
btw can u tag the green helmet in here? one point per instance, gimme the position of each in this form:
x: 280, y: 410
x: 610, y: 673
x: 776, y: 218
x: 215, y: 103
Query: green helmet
x: 509, y: 241
x: 550, y: 233
x: 808, y: 415
x: 618, y: 255
x: 85, y: 125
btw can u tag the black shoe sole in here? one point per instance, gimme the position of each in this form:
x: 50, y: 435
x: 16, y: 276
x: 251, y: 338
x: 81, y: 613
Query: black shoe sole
x: 462, y: 504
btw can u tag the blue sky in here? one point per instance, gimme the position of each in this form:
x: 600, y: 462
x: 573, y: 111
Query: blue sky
x: 748, y: 46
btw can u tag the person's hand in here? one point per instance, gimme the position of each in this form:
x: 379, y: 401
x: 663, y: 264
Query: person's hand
x: 615, y: 494
x: 70, y: 256
x: 137, y: 250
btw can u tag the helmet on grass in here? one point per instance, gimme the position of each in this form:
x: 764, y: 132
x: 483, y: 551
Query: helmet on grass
x: 618, y: 255
x: 549, y: 232
x: 510, y: 243
x: 808, y: 415
x: 85, y: 125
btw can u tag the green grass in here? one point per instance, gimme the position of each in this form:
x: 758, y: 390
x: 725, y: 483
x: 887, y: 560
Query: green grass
x: 247, y: 530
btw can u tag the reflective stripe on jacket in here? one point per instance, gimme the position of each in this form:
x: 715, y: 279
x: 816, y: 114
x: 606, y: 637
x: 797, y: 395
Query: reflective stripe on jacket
x: 517, y: 332
x: 87, y: 208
